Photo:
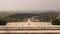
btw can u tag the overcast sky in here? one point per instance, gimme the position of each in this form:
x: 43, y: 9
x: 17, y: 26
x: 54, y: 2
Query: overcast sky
x: 29, y: 5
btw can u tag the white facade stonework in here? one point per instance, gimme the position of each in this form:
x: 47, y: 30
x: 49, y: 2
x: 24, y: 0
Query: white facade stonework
x: 30, y: 27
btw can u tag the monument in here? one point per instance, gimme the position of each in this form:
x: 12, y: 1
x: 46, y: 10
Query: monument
x: 30, y: 27
x: 29, y: 23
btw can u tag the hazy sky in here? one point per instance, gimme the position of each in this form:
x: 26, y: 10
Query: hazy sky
x: 29, y: 4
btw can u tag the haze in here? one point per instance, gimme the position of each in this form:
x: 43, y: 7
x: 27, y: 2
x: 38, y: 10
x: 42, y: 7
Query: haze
x: 29, y: 5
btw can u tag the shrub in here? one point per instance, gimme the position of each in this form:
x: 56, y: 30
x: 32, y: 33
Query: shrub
x: 2, y: 22
x: 56, y: 22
